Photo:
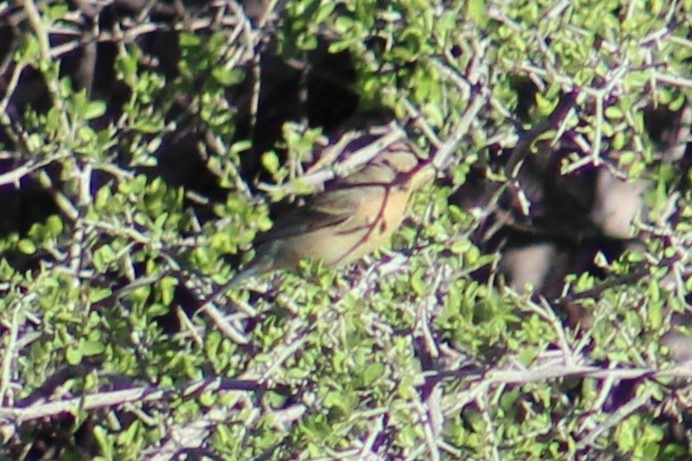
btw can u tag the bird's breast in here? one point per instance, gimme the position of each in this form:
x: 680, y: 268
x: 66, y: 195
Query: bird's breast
x: 378, y: 215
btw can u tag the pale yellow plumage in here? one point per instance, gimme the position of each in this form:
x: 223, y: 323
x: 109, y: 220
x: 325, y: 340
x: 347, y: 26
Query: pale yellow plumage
x: 352, y: 217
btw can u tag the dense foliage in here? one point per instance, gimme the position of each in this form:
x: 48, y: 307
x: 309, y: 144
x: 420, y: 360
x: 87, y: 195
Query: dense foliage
x: 146, y: 144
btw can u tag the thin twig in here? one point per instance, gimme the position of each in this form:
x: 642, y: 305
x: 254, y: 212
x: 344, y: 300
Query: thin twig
x: 140, y: 394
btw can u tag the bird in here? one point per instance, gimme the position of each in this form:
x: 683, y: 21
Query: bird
x: 353, y: 216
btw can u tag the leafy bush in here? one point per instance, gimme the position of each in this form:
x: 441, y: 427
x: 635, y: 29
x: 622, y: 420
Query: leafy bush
x: 145, y: 144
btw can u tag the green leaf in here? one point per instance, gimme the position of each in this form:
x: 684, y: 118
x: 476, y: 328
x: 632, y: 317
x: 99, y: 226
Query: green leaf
x: 270, y: 161
x: 227, y: 77
x: 26, y: 246
x: 189, y: 40
x: 167, y: 286
x: 99, y: 294
x: 478, y: 12
x: 372, y: 373
x: 207, y: 399
x: 417, y: 283
x: 74, y: 355
x: 54, y: 225
x: 546, y: 105
x: 94, y: 109
x: 91, y: 348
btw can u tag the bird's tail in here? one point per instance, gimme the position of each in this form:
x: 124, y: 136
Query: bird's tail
x: 255, y: 267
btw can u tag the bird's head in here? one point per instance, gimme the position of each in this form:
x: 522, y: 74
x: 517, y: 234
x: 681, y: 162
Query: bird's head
x: 410, y: 166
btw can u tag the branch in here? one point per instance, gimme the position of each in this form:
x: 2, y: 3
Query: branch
x: 18, y: 414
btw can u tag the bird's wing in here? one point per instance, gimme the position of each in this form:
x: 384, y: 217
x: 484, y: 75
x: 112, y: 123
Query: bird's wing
x: 323, y: 210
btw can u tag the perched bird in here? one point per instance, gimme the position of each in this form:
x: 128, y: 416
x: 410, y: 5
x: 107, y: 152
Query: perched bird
x: 352, y: 217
